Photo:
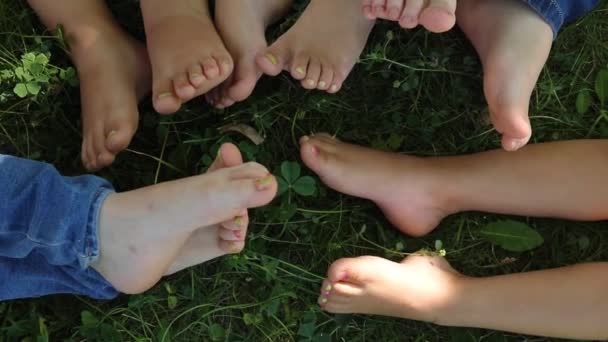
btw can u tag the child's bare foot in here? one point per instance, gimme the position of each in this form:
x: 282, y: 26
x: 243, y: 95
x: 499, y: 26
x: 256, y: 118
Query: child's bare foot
x: 435, y: 15
x: 402, y: 186
x: 322, y: 47
x: 188, y: 56
x: 141, y: 232
x: 513, y: 43
x: 114, y: 74
x: 420, y: 287
x: 208, y: 243
x: 242, y: 25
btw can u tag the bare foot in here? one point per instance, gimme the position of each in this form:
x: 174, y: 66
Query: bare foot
x: 208, y: 243
x: 322, y: 47
x: 188, y: 56
x: 402, y: 186
x: 242, y: 25
x: 141, y: 232
x: 435, y: 15
x: 513, y: 43
x: 420, y: 287
x: 114, y: 74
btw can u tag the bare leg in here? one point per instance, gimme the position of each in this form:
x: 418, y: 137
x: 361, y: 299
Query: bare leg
x: 561, y: 179
x: 114, y: 74
x: 429, y: 289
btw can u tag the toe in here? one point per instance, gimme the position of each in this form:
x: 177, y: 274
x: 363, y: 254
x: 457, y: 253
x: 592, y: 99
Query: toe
x: 368, y: 9
x: 316, y: 152
x: 164, y: 100
x: 225, y: 64
x: 410, y: 13
x: 231, y: 235
x: 311, y: 80
x: 273, y: 60
x: 195, y: 75
x: 336, y: 83
x: 102, y: 156
x: 327, y: 77
x: 245, y: 79
x: 299, y: 66
x: 439, y: 16
x: 353, y: 270
x: 232, y: 247
x: 250, y: 170
x: 239, y: 223
x: 183, y: 88
x: 378, y: 9
x: 210, y: 68
x: 394, y: 9
x: 120, y: 132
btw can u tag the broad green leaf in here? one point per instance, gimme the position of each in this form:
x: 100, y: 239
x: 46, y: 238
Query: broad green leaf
x: 305, y: 186
x: 33, y: 88
x: 20, y: 90
x: 283, y: 186
x: 512, y: 235
x: 41, y: 59
x: 290, y: 171
x: 583, y: 102
x: 601, y: 86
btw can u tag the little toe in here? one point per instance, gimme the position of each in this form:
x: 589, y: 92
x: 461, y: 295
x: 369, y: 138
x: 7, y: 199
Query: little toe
x: 394, y: 9
x: 210, y: 68
x: 225, y: 64
x: 231, y: 235
x: 378, y: 8
x: 368, y: 9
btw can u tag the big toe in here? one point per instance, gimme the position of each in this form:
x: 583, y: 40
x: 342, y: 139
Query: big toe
x: 273, y: 60
x: 317, y: 152
x: 354, y: 270
x: 245, y: 79
x: 439, y: 16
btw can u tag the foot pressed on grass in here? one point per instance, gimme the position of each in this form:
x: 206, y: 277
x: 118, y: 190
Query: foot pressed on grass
x: 322, y: 47
x: 404, y: 187
x: 513, y: 43
x: 435, y: 15
x: 187, y: 54
x: 142, y: 232
x: 242, y: 25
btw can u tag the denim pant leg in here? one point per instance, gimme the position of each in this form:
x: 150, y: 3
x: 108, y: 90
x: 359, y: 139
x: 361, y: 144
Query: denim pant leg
x: 560, y: 12
x: 48, y: 231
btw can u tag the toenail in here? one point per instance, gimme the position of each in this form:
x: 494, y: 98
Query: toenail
x: 324, y: 300
x: 322, y: 84
x: 163, y: 95
x: 328, y: 287
x: 311, y: 83
x: 334, y: 88
x: 234, y: 248
x: 300, y: 71
x: 264, y: 183
x: 111, y: 133
x: 196, y: 75
x: 238, y: 221
x: 305, y: 138
x: 272, y: 59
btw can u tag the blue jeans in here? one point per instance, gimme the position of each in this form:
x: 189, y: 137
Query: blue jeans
x: 48, y: 231
x: 559, y: 12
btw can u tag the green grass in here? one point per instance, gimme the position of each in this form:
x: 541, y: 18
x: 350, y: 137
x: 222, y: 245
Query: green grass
x: 413, y: 92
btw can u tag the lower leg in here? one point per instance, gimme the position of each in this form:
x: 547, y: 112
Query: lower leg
x: 561, y: 179
x: 108, y: 59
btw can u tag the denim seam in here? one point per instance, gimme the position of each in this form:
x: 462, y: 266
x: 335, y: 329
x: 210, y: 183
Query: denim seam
x: 90, y: 252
